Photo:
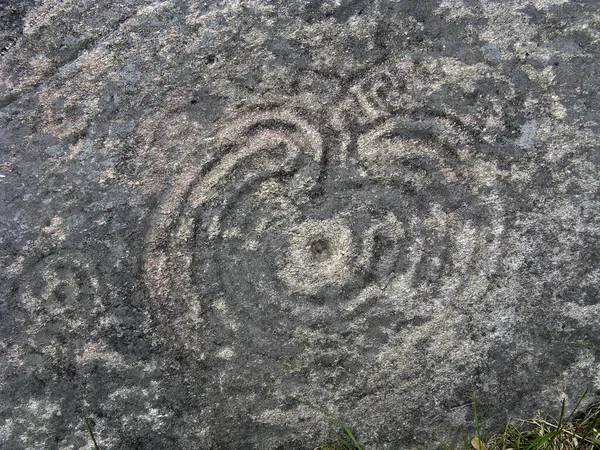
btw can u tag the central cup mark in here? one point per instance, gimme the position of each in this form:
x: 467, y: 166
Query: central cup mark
x: 320, y: 248
x: 319, y: 255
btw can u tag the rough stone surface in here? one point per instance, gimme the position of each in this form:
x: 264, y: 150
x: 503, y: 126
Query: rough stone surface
x: 385, y: 208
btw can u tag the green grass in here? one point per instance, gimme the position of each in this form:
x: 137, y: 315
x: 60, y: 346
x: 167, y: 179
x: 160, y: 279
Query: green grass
x: 344, y: 441
x: 551, y: 434
x: 564, y: 433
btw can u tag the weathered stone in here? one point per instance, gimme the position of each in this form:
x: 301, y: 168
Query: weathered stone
x: 388, y: 209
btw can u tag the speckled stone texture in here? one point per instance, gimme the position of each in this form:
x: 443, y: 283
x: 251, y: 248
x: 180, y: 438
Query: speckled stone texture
x: 385, y: 208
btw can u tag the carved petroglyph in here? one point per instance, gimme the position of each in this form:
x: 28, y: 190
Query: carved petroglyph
x: 60, y: 288
x: 316, y: 224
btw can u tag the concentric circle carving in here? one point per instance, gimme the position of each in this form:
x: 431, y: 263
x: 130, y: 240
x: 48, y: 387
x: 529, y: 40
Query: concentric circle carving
x: 292, y: 230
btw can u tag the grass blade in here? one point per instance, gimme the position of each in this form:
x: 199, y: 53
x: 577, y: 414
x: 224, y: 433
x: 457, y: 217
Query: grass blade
x: 442, y: 443
x: 89, y: 429
x: 539, y: 441
x: 577, y: 406
x: 583, y: 344
x: 351, y: 436
x: 352, y: 445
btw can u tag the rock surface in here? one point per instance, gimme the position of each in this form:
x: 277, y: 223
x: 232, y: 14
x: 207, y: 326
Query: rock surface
x: 385, y: 208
